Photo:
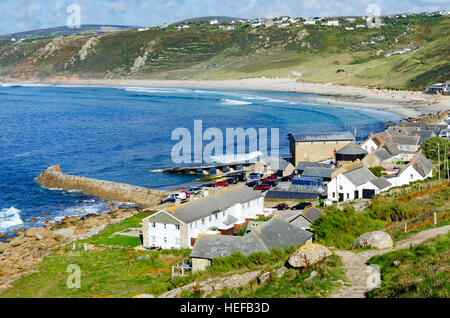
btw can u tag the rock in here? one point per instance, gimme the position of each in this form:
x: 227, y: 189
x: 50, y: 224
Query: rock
x: 308, y: 255
x: 2, y: 235
x: 313, y: 274
x: 143, y: 257
x: 34, y: 220
x: 378, y: 239
x: 19, y: 230
x: 42, y: 231
x: 39, y: 237
x: 17, y: 241
x: 280, y: 272
x: 264, y: 277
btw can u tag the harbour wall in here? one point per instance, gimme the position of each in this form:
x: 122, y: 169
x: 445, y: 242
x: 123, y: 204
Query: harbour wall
x: 53, y: 178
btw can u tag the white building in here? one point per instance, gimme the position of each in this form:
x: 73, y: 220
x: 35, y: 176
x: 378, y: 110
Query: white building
x: 331, y: 23
x: 355, y: 182
x: 220, y: 213
x: 213, y: 22
x: 420, y: 168
x: 309, y: 22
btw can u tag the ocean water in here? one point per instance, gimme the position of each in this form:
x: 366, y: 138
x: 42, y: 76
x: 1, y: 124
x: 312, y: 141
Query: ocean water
x: 122, y: 134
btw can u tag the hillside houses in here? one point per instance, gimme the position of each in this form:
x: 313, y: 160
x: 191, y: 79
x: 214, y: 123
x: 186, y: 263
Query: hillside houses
x: 224, y: 212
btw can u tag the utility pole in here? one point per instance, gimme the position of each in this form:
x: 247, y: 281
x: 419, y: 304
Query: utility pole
x: 439, y: 161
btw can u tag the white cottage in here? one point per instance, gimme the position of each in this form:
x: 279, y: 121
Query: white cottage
x: 220, y: 213
x: 420, y: 168
x: 355, y: 182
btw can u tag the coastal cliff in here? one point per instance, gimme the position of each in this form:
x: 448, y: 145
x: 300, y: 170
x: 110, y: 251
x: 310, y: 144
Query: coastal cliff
x: 52, y: 177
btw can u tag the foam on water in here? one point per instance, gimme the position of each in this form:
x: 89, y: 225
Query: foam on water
x: 234, y: 102
x: 9, y: 218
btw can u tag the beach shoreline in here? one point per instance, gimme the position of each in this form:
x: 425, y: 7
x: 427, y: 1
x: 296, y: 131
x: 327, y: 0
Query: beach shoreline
x: 406, y: 104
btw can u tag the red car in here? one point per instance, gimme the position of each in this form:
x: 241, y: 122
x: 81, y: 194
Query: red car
x: 272, y: 179
x: 222, y: 184
x: 262, y: 187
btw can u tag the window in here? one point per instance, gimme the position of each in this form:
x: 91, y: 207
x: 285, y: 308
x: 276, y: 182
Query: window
x: 348, y: 195
x: 412, y: 177
x: 177, y: 227
x: 203, y: 221
x: 210, y: 219
x: 323, y: 154
x: 153, y: 225
x: 165, y: 240
x: 341, y: 188
x: 165, y: 226
x: 217, y: 216
x: 192, y: 225
x: 152, y: 239
x: 334, y: 194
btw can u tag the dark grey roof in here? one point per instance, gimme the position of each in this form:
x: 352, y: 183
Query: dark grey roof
x: 381, y: 183
x: 391, y: 147
x: 382, y: 154
x: 214, y: 203
x: 359, y: 176
x: 318, y: 172
x: 352, y: 149
x: 406, y: 140
x: 301, y: 222
x: 303, y: 164
x: 275, y: 233
x: 210, y: 247
x: 422, y: 164
x: 337, y: 136
x: 313, y: 214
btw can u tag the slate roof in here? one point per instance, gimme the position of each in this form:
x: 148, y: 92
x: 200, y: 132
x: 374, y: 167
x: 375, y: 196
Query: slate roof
x: 313, y: 214
x: 318, y: 172
x: 303, y: 164
x: 382, y: 154
x: 337, y: 136
x: 275, y: 233
x: 301, y: 222
x: 406, y: 140
x: 163, y: 217
x: 381, y: 183
x: 352, y: 149
x: 391, y: 147
x: 422, y: 164
x: 359, y: 176
x: 214, y: 203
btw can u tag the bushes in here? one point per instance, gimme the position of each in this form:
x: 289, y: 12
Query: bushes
x: 391, y: 210
x: 340, y: 228
x: 376, y: 171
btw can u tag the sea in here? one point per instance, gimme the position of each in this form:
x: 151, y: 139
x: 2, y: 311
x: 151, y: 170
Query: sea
x: 122, y: 134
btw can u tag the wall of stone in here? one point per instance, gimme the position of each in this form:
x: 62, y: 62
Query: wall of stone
x: 53, y: 178
x: 200, y: 264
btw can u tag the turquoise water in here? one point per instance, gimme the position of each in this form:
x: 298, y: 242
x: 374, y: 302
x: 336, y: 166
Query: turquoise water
x: 121, y: 134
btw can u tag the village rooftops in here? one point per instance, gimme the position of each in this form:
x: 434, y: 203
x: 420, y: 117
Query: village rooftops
x: 360, y: 176
x: 312, y: 214
x: 276, y: 163
x: 337, y: 136
x: 212, y: 204
x: 422, y: 164
x: 272, y: 234
x: 382, y: 154
x: 406, y: 140
x: 319, y: 172
x: 352, y: 149
x: 381, y: 183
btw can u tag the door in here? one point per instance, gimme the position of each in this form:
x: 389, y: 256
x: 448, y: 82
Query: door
x: 341, y: 197
x: 356, y: 194
x: 368, y: 194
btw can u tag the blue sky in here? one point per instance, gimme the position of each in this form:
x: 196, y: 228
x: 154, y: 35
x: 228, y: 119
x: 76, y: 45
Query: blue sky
x: 23, y: 15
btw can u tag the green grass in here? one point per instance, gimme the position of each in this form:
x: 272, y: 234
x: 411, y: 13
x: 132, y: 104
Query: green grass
x: 293, y: 285
x: 422, y: 271
x: 110, y: 272
x: 106, y: 237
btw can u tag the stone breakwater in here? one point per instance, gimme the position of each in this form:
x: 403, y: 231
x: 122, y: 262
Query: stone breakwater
x: 53, y: 178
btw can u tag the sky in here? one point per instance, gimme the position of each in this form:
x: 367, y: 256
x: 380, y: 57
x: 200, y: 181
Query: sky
x: 25, y: 15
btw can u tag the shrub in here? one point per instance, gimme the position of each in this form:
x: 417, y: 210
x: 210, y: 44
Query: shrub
x: 340, y: 228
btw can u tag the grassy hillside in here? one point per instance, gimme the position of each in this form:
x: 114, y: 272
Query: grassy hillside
x: 312, y: 52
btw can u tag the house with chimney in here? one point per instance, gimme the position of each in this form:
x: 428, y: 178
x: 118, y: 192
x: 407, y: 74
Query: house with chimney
x: 419, y: 168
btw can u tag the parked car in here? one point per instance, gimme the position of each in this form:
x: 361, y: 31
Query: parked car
x: 222, y: 184
x: 302, y: 206
x: 282, y: 207
x: 271, y: 183
x: 262, y: 187
x: 208, y: 185
x: 194, y: 191
x: 254, y: 183
x: 255, y: 176
x: 170, y: 199
x: 272, y: 178
x: 231, y: 180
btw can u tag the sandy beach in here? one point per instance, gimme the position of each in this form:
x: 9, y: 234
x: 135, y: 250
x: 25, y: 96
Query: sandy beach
x: 403, y: 103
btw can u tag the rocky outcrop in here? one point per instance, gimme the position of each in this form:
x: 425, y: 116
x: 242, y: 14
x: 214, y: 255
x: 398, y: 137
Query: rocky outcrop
x: 308, y: 255
x: 53, y: 178
x: 378, y: 239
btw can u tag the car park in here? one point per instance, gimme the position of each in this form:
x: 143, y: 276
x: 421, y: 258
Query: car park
x: 208, y: 185
x: 231, y: 180
x: 194, y: 191
x: 286, y: 179
x: 271, y: 183
x: 255, y: 176
x: 254, y: 183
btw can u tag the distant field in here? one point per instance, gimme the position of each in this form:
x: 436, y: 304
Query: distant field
x: 311, y: 53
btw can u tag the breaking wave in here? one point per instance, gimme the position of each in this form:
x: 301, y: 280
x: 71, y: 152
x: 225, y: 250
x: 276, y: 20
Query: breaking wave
x: 234, y: 102
x: 9, y: 218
